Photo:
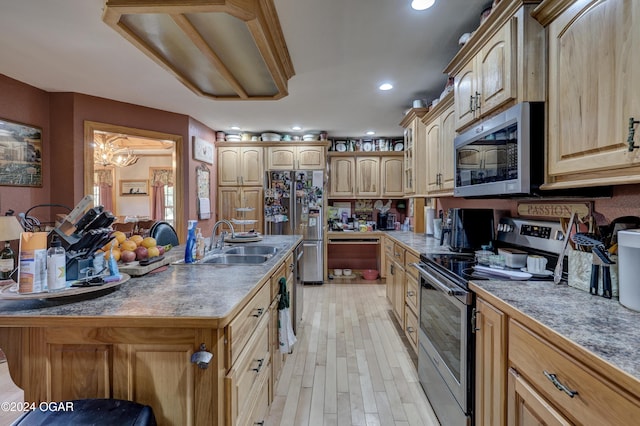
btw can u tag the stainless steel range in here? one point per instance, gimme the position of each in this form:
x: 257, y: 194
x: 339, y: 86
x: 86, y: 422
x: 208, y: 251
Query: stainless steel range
x: 446, y: 349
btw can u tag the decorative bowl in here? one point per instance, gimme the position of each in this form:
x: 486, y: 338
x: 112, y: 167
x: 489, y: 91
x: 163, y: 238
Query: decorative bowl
x: 346, y: 272
x: 271, y: 137
x: 370, y: 274
x: 337, y: 272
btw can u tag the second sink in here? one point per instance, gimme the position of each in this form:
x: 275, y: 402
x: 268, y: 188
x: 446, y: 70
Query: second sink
x: 235, y: 259
x: 255, y: 249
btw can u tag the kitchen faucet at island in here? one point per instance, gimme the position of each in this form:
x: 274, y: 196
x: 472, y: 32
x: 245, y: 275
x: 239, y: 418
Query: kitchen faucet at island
x: 219, y: 244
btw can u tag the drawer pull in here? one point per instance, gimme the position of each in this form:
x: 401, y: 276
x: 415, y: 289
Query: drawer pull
x: 553, y: 379
x: 411, y: 330
x: 259, y: 367
x: 411, y: 293
x: 259, y: 312
x: 260, y: 423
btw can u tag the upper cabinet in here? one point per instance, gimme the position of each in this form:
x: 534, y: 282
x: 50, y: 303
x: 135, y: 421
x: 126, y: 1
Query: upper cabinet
x: 593, y: 91
x: 509, y: 44
x: 415, y: 152
x: 301, y: 157
x: 368, y: 175
x: 440, y: 132
x: 240, y: 166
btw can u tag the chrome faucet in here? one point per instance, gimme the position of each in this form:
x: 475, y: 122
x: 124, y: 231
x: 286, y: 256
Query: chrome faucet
x: 219, y: 243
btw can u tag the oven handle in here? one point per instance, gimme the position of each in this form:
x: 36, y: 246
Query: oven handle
x: 434, y: 281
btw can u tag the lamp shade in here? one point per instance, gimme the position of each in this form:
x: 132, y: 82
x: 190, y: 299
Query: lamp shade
x: 10, y: 228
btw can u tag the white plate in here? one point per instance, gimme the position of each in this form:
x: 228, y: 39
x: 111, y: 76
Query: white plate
x: 367, y: 146
x: 546, y: 273
x: 398, y: 147
x: 504, y: 273
x: 341, y: 146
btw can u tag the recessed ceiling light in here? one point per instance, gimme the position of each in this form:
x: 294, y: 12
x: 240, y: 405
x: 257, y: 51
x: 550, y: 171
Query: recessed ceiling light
x: 296, y: 128
x: 235, y: 128
x: 386, y: 86
x: 371, y: 132
x: 422, y: 4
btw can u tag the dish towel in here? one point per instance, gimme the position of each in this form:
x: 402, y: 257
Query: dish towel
x: 286, y: 336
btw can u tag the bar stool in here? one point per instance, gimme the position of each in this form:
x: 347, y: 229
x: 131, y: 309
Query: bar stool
x: 95, y: 412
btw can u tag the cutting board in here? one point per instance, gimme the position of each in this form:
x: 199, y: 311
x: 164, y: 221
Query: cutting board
x: 134, y: 268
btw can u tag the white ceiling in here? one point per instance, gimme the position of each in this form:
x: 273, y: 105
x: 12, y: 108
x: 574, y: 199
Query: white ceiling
x: 341, y: 51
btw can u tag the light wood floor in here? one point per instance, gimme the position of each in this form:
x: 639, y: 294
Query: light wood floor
x: 350, y: 365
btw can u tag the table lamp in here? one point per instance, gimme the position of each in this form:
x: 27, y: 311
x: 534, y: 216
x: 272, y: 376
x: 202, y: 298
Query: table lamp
x: 10, y: 229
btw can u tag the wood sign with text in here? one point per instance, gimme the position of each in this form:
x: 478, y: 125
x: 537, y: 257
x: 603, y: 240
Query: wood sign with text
x: 554, y: 210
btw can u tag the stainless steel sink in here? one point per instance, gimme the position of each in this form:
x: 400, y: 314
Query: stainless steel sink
x: 235, y: 259
x: 255, y: 249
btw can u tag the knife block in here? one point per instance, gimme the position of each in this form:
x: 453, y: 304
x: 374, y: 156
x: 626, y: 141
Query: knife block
x: 580, y: 272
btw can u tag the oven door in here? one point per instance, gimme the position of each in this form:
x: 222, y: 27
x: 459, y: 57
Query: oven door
x: 446, y: 346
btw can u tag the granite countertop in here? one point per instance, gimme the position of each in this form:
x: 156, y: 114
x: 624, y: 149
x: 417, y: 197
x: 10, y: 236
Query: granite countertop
x: 182, y: 291
x: 602, y: 326
x: 420, y: 243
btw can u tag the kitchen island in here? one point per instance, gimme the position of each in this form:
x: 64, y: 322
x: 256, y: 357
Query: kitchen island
x: 136, y: 342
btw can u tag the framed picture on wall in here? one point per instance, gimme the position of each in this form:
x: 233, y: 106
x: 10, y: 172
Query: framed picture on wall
x: 20, y: 154
x: 134, y: 187
x: 202, y: 150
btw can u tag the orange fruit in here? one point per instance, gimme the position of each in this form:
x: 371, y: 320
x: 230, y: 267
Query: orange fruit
x: 107, y: 246
x: 153, y: 251
x: 120, y: 236
x: 149, y: 242
x: 136, y: 239
x: 116, y: 254
x: 128, y: 245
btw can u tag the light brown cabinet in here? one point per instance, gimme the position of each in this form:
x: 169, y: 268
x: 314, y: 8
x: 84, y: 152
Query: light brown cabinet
x: 526, y: 374
x: 411, y: 299
x: 509, y: 44
x: 240, y: 166
x: 440, y: 133
x: 415, y: 153
x: 491, y: 365
x: 230, y: 198
x: 299, y: 157
x: 368, y: 176
x: 593, y: 91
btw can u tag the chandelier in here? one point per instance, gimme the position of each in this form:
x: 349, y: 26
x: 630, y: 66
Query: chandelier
x: 107, y: 152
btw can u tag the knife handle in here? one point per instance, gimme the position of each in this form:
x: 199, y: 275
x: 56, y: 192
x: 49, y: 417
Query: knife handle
x: 150, y: 260
x: 593, y: 288
x: 606, y: 282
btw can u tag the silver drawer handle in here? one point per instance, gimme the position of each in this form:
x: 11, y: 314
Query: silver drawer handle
x: 560, y: 386
x: 411, y: 293
x: 410, y: 329
x: 258, y: 313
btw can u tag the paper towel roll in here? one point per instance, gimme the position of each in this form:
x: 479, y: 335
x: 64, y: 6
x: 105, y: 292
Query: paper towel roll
x: 429, y: 215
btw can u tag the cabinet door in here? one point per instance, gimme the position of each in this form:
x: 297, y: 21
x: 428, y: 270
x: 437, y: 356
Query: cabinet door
x: 342, y: 176
x: 497, y: 69
x: 447, y: 135
x: 281, y: 158
x: 311, y: 158
x: 398, y: 292
x: 228, y: 166
x: 491, y: 365
x: 251, y: 166
x: 433, y: 150
x: 593, y: 90
x: 464, y: 95
x: 409, y: 160
x: 528, y: 407
x: 391, y: 176
x: 228, y: 202
x: 251, y: 197
x: 367, y: 177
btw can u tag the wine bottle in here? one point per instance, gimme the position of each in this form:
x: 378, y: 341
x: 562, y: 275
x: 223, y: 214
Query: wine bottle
x: 7, y: 261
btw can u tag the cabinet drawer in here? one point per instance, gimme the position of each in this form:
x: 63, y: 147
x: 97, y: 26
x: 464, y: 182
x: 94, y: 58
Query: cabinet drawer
x: 411, y: 297
x: 246, y: 376
x: 410, y: 258
x: 411, y: 328
x: 597, y: 401
x: 398, y: 254
x: 260, y: 409
x: 241, y: 327
x: 388, y: 246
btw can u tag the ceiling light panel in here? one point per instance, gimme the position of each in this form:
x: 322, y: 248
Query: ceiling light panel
x: 219, y: 49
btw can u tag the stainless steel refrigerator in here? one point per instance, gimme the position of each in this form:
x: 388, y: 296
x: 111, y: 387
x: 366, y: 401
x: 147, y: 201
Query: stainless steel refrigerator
x: 293, y: 205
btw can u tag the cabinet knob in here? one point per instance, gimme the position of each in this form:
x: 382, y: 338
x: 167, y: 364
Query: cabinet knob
x: 632, y: 133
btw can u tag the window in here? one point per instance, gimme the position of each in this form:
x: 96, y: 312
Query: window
x: 168, y: 205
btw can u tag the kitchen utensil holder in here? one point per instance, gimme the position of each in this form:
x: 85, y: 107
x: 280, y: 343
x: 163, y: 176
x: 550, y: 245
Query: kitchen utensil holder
x: 580, y: 263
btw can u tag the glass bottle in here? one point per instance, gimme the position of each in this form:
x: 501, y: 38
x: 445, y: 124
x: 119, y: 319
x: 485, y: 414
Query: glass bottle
x: 7, y: 262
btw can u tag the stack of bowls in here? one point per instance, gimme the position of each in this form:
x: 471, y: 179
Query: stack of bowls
x: 309, y: 137
x: 234, y: 138
x: 271, y: 137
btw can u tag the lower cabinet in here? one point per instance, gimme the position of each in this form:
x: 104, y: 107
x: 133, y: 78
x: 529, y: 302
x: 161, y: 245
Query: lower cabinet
x: 545, y: 382
x: 411, y: 299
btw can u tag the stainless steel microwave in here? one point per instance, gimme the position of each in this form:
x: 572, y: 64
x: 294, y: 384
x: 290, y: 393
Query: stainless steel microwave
x: 503, y: 155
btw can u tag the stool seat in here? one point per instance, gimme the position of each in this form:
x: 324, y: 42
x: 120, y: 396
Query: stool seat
x: 85, y: 412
